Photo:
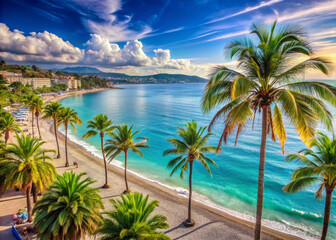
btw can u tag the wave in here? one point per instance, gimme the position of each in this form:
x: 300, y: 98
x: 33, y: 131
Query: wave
x: 295, y: 229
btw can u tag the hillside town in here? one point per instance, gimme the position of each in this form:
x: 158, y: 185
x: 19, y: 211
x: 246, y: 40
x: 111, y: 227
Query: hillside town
x: 71, y: 82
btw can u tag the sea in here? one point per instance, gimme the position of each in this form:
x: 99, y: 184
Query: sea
x: 157, y: 109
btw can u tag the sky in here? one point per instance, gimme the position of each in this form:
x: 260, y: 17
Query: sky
x: 141, y: 37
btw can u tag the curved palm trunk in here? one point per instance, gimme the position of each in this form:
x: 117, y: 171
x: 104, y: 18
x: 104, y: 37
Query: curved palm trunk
x: 38, y: 126
x: 34, y: 191
x: 127, y: 190
x: 33, y: 124
x: 66, y: 146
x: 257, y: 230
x: 327, y: 208
x: 56, y: 136
x: 106, y: 185
x: 29, y: 205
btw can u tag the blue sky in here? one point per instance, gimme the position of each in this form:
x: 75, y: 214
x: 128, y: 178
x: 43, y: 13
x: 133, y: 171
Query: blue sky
x: 145, y: 37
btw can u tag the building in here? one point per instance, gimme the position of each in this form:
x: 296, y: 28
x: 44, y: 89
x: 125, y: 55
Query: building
x: 34, y: 82
x: 70, y: 81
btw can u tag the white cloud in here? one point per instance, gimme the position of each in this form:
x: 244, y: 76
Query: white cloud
x: 48, y: 48
x: 316, y: 10
x: 246, y: 10
x: 106, y: 23
x: 227, y: 35
x: 100, y: 51
x: 43, y: 47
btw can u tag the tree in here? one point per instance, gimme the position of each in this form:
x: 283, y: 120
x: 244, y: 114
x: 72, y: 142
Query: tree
x: 191, y: 147
x: 68, y: 116
x: 38, y: 105
x: 8, y: 125
x: 24, y: 165
x: 131, y: 220
x: 29, y: 102
x: 122, y: 141
x: 16, y: 87
x: 59, y: 73
x: 265, y: 81
x: 100, y: 125
x: 320, y: 165
x: 53, y: 111
x: 2, y: 63
x: 69, y: 209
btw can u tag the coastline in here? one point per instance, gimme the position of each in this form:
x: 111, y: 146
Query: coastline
x: 166, y: 191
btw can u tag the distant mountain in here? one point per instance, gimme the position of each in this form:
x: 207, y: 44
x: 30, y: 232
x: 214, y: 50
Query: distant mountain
x: 121, y: 78
x: 82, y: 70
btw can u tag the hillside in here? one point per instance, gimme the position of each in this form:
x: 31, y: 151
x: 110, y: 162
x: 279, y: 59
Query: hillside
x: 120, y: 78
x: 82, y: 70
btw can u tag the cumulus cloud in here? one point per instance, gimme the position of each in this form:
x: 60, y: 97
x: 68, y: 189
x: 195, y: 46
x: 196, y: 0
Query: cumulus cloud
x: 43, y: 47
x: 46, y: 47
x: 100, y: 51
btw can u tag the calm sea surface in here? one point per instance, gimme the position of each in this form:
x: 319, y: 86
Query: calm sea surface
x: 156, y: 110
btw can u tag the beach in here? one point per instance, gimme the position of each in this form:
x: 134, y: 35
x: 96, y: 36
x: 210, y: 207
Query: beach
x: 210, y: 224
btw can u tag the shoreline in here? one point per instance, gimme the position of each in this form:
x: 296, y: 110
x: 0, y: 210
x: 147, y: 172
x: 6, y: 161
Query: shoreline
x: 166, y: 189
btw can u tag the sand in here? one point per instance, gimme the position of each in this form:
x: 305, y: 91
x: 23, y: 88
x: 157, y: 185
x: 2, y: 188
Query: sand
x: 210, y: 224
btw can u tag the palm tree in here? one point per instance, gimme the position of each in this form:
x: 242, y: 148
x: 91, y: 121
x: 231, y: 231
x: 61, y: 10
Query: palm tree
x: 28, y: 102
x: 320, y: 165
x: 68, y: 116
x: 38, y: 105
x: 8, y: 125
x: 69, y: 209
x: 52, y: 111
x: 191, y: 147
x: 131, y: 220
x: 265, y: 82
x: 100, y: 125
x: 122, y: 141
x: 24, y: 165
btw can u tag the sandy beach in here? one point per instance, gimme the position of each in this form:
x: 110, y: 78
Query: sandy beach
x: 210, y: 222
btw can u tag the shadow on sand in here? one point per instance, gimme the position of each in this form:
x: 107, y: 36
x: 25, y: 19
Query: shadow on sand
x: 193, y: 230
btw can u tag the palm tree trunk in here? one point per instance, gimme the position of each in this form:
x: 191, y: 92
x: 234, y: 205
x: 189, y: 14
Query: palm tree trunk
x: 29, y: 205
x: 126, y: 172
x: 34, y: 190
x: 6, y: 136
x: 327, y: 208
x: 190, y: 190
x: 106, y: 185
x: 33, y: 124
x: 55, y: 129
x: 66, y: 147
x: 38, y: 126
x: 257, y: 230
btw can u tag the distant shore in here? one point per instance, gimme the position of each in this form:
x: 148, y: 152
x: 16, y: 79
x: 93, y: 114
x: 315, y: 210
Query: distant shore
x: 166, y: 196
x: 69, y: 94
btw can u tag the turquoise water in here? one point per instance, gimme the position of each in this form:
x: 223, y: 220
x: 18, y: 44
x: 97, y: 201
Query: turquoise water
x: 156, y: 110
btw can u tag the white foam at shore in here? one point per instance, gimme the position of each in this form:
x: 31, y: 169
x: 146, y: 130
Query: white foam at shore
x: 294, y: 229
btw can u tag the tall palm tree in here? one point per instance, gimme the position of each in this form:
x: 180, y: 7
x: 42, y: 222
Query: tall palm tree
x: 68, y: 116
x: 8, y: 125
x: 265, y: 82
x: 190, y: 147
x: 122, y: 141
x: 320, y: 166
x: 24, y: 165
x: 69, y: 209
x: 28, y: 102
x: 52, y: 111
x: 38, y: 106
x: 131, y: 219
x: 100, y: 125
